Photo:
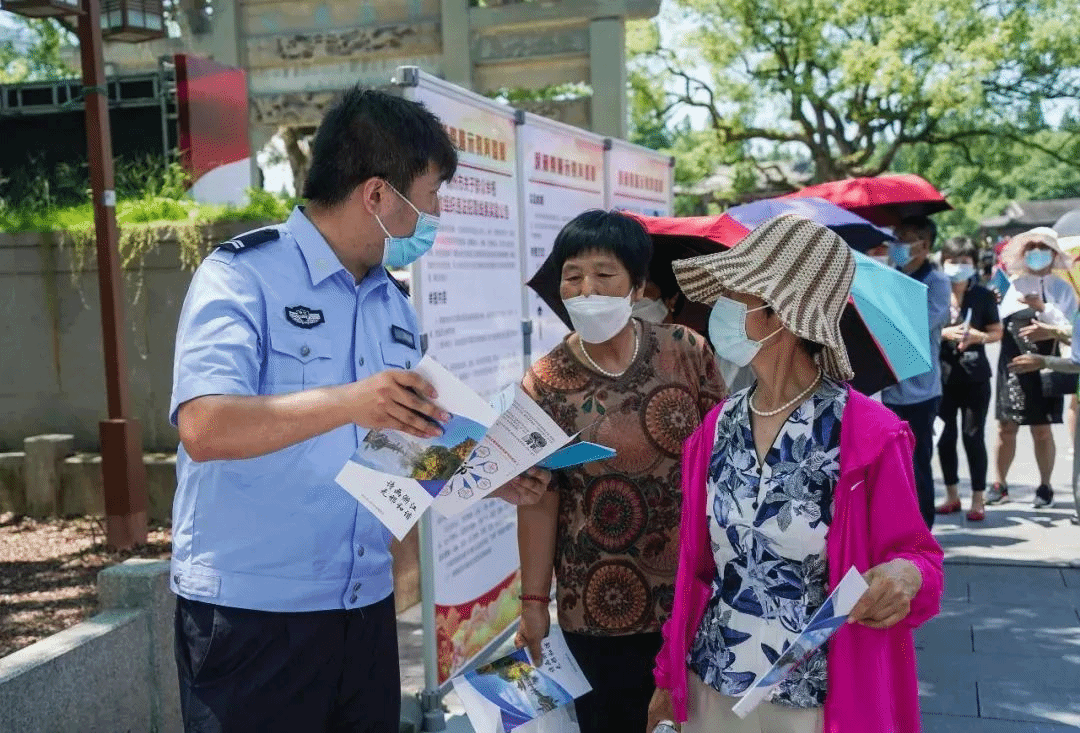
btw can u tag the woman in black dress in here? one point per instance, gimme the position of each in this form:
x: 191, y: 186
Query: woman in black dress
x: 966, y: 375
x: 1034, y: 310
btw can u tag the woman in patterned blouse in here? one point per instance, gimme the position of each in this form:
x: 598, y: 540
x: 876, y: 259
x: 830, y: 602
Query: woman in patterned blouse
x: 609, y: 530
x: 787, y: 485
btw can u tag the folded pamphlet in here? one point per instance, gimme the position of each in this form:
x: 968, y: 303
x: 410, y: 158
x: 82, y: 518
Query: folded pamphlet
x: 512, y: 691
x: 829, y: 618
x: 397, y: 476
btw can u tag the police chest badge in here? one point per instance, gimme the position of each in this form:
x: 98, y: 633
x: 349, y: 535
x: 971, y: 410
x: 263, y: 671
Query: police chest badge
x: 304, y: 317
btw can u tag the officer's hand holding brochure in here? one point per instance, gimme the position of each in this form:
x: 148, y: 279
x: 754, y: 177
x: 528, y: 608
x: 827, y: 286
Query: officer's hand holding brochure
x: 398, y: 476
x: 512, y: 691
x: 831, y: 616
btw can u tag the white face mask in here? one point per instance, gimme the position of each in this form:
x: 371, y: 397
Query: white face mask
x: 727, y: 330
x: 649, y: 310
x: 597, y: 318
x: 958, y: 272
x: 883, y: 259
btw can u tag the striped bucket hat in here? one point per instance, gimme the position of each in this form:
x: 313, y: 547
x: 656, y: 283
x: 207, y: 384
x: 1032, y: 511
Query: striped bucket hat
x: 800, y: 268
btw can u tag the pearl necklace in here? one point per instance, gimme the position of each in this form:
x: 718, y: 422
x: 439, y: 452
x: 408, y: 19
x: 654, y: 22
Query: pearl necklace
x: 798, y: 398
x: 605, y: 372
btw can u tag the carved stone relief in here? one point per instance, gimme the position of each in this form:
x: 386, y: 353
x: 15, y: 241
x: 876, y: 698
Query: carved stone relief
x: 370, y: 71
x: 415, y: 39
x: 524, y: 45
x: 302, y: 108
x: 283, y: 16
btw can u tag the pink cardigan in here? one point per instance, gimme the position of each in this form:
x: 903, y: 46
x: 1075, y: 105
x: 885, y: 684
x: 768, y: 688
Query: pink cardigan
x: 872, y: 679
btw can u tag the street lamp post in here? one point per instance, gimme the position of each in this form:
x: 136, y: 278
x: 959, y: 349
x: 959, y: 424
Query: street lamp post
x: 122, y: 468
x: 123, y: 471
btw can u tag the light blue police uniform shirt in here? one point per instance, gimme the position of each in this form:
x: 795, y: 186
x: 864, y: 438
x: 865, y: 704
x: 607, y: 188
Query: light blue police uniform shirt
x: 275, y: 533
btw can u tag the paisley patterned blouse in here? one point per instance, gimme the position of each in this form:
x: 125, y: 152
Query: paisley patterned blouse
x: 618, y: 528
x: 767, y: 526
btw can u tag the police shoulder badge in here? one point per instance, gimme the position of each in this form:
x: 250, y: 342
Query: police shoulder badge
x: 304, y: 317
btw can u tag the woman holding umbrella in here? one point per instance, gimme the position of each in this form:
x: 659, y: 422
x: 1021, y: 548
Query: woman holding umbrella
x: 1034, y: 310
x: 609, y: 530
x: 786, y: 486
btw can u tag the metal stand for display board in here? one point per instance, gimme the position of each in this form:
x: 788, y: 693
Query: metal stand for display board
x: 434, y: 718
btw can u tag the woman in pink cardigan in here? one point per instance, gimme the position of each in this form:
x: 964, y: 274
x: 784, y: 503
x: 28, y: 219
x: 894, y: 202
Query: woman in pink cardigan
x: 786, y: 486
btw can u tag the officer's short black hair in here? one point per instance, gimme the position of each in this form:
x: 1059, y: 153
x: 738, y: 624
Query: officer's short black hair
x: 606, y: 231
x: 922, y: 226
x: 372, y: 134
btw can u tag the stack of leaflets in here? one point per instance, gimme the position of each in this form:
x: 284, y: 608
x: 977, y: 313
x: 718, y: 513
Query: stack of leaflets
x: 512, y: 691
x: 484, y: 444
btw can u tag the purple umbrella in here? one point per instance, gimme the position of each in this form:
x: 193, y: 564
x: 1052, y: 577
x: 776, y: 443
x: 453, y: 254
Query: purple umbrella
x: 860, y: 234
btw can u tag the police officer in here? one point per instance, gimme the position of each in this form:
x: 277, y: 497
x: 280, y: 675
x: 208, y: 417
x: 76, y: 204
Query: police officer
x: 293, y: 342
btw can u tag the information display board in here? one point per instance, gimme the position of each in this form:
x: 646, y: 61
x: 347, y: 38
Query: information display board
x: 562, y: 176
x: 467, y: 292
x: 639, y: 180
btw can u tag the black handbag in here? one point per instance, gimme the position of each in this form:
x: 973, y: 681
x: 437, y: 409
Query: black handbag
x: 1058, y: 384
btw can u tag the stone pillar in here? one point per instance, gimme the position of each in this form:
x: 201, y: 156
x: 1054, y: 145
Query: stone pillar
x: 607, y: 64
x: 457, y: 42
x: 259, y: 135
x: 225, y: 34
x: 45, y: 456
x: 144, y: 584
x: 227, y: 45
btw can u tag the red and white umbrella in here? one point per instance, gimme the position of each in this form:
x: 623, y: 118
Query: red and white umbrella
x: 883, y: 200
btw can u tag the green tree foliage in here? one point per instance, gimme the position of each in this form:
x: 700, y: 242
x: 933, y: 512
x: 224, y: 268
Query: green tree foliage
x: 981, y: 177
x: 30, y: 50
x: 851, y: 84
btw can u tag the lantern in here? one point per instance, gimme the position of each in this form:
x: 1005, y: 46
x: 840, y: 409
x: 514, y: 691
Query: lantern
x: 132, y: 20
x: 42, y: 8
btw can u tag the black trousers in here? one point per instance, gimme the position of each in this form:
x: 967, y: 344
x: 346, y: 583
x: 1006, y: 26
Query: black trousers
x: 972, y: 401
x: 920, y: 418
x: 258, y: 671
x: 619, y: 668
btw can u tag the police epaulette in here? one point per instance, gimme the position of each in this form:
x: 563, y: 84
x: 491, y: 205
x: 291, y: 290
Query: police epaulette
x: 250, y: 240
x: 398, y: 284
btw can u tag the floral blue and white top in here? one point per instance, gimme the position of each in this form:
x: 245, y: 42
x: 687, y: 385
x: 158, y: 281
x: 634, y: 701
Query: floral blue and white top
x: 767, y: 527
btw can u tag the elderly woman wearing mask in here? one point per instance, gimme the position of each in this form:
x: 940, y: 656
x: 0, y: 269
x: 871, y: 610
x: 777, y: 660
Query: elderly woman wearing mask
x: 1036, y: 312
x: 787, y: 485
x: 609, y: 529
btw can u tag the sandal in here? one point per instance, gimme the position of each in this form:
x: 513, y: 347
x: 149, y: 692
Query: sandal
x: 949, y: 507
x: 974, y: 516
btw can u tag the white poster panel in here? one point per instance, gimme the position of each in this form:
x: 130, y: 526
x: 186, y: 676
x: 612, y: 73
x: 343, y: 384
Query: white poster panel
x: 639, y: 180
x: 563, y: 175
x: 467, y: 292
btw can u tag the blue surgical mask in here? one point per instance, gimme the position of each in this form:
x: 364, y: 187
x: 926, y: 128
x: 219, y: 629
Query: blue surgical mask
x: 727, y: 331
x: 1038, y: 259
x: 403, y: 251
x: 900, y: 253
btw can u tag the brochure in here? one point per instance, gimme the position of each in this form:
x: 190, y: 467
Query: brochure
x: 524, y: 436
x: 512, y: 691
x: 831, y: 616
x: 397, y: 476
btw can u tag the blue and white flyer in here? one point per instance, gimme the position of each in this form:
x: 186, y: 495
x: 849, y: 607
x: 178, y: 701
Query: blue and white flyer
x: 397, y: 476
x: 831, y: 616
x: 512, y: 691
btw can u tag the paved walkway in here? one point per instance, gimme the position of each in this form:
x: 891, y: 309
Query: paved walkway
x: 1004, y: 654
